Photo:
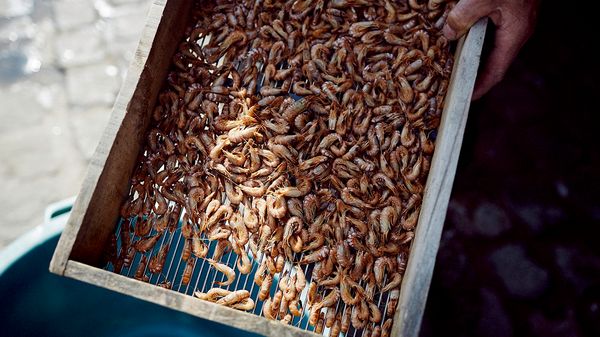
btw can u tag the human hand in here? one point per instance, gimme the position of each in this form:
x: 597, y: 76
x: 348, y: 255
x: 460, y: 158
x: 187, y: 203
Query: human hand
x: 514, y: 20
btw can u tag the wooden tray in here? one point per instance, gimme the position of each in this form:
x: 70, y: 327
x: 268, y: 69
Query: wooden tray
x: 96, y: 210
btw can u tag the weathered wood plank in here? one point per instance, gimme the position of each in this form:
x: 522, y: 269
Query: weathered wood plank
x: 181, y: 302
x: 106, y: 184
x: 415, y: 286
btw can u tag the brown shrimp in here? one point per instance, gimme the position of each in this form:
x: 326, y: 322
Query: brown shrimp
x: 146, y: 244
x: 234, y: 297
x: 187, y: 272
x: 226, y: 270
x: 157, y: 262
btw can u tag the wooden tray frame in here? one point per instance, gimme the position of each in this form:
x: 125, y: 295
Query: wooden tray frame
x: 96, y: 209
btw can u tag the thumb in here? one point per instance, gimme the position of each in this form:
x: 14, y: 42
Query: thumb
x: 464, y: 15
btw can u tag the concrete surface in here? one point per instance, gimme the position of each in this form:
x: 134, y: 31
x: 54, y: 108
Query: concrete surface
x: 61, y: 65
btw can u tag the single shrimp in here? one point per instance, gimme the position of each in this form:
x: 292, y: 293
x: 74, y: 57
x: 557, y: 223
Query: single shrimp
x: 244, y: 265
x: 315, y: 256
x: 295, y: 307
x: 266, y: 309
x: 375, y: 313
x: 246, y: 304
x: 213, y: 294
x: 276, y: 206
x: 386, y: 328
x: 265, y: 287
x: 157, y: 262
x: 187, y: 272
x: 388, y: 218
x: 141, y: 268
x: 234, y: 297
x: 199, y: 248
x: 300, y: 279
x: 393, y: 297
x: 146, y: 244
x: 346, y: 320
x: 395, y: 282
x: 226, y: 270
x: 329, y: 300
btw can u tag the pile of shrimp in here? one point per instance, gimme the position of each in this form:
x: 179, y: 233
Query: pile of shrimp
x: 300, y: 131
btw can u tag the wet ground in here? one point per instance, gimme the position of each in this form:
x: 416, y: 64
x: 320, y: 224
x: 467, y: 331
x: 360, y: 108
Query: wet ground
x: 519, y: 253
x: 61, y: 66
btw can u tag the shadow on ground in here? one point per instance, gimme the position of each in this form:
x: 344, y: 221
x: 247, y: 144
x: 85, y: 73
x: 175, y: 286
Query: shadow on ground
x: 519, y: 254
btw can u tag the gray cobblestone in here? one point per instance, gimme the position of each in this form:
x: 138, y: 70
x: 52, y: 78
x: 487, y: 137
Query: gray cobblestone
x: 61, y: 65
x: 81, y: 46
x: 73, y: 13
x: 92, y: 84
x: 12, y: 8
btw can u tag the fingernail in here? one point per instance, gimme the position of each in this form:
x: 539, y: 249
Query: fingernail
x: 449, y: 33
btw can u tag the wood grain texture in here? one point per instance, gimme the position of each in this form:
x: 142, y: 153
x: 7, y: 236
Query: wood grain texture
x: 106, y: 184
x: 415, y: 286
x: 181, y: 302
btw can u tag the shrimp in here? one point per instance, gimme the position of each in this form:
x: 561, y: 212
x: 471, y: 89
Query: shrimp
x: 238, y: 229
x: 320, y: 324
x: 375, y: 313
x: 283, y: 307
x: 259, y: 276
x: 295, y: 307
x: 410, y: 222
x: 296, y: 108
x: 287, y: 319
x: 290, y: 292
x: 330, y: 315
x: 255, y: 191
x: 157, y: 262
x: 226, y: 270
x: 300, y: 190
x: 265, y: 287
x: 386, y: 327
x: 379, y: 269
x: 346, y: 320
x: 336, y: 328
x: 251, y: 219
x: 388, y: 217
x: 395, y: 282
x: 187, y: 272
x: 346, y: 284
x: 234, y: 193
x: 141, y: 268
x: 300, y: 280
x: 243, y: 133
x: 246, y: 304
x: 244, y: 265
x: 376, y: 332
x: 266, y: 309
x: 143, y: 226
x: 329, y: 300
x: 393, y: 297
x: 348, y: 198
x: 315, y: 256
x: 311, y: 294
x: 146, y: 244
x: 357, y: 322
x: 213, y: 294
x: 310, y: 203
x: 234, y: 297
x: 199, y: 248
x: 276, y: 206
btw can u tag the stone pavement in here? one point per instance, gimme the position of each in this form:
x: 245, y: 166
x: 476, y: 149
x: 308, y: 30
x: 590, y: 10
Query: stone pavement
x: 61, y: 66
